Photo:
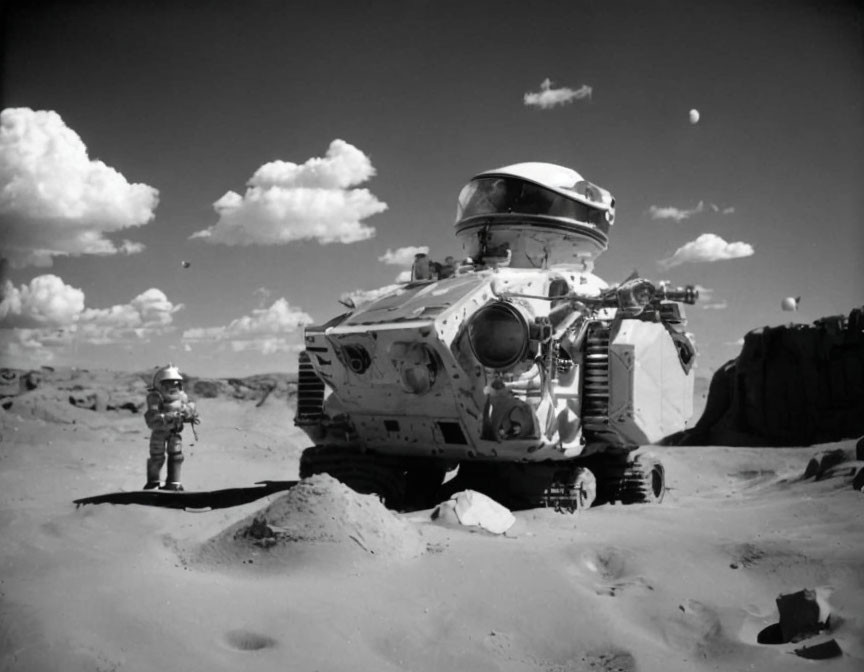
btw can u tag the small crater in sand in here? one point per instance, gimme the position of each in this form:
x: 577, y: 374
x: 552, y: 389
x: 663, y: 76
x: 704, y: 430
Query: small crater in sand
x: 609, y: 563
x: 613, y: 568
x: 244, y: 640
x: 754, y: 476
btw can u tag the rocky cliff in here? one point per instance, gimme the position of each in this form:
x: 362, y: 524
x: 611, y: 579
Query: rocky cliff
x: 791, y: 385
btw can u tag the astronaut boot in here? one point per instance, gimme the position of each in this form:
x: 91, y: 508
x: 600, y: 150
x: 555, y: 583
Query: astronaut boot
x: 154, y: 467
x: 172, y: 480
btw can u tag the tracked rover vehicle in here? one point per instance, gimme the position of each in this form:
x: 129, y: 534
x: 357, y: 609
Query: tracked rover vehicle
x: 523, y: 369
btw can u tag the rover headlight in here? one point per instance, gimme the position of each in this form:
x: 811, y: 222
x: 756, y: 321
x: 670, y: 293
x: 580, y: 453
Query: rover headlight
x: 417, y: 367
x: 498, y: 335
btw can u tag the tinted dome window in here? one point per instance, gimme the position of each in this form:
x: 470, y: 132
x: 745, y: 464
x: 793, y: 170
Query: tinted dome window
x: 503, y: 195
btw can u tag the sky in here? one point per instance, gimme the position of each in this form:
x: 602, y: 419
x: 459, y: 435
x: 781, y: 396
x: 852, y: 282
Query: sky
x: 194, y: 182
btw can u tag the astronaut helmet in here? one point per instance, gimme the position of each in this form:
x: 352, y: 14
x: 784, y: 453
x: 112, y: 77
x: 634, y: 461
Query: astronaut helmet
x: 168, y: 381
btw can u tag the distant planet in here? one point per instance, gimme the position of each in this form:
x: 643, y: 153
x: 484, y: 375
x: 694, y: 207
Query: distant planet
x: 694, y: 116
x: 790, y: 303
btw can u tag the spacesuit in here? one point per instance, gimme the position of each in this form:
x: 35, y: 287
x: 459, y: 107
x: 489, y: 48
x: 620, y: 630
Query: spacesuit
x: 168, y: 408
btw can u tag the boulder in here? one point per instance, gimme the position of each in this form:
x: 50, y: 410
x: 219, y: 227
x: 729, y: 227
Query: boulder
x: 94, y: 400
x: 803, y: 614
x: 822, y: 651
x: 473, y: 508
x: 823, y: 461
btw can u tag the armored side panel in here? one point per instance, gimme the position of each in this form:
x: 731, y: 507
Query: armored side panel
x: 651, y: 389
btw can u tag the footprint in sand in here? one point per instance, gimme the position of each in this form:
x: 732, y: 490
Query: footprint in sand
x: 246, y: 640
x: 501, y: 643
x: 611, y: 566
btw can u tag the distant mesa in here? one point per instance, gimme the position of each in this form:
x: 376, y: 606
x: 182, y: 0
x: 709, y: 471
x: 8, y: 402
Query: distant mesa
x: 792, y: 385
x: 107, y: 391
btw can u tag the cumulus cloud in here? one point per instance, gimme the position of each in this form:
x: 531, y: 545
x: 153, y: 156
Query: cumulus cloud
x: 55, y: 200
x: 265, y: 330
x: 404, y: 256
x: 680, y: 214
x: 23, y: 347
x: 49, y: 313
x: 148, y: 314
x: 285, y: 202
x: 718, y: 305
x: 46, y: 302
x: 548, y: 97
x: 707, y: 247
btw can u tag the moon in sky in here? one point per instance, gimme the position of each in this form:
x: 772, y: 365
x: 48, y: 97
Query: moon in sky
x: 694, y: 116
x: 790, y: 303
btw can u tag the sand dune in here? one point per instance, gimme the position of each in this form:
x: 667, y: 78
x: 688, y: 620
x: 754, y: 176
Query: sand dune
x: 321, y: 578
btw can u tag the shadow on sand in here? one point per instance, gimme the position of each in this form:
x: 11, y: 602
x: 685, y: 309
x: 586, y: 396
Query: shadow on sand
x: 200, y: 500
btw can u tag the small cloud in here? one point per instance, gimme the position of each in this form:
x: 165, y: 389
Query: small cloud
x: 404, y: 256
x: 361, y: 296
x: 404, y: 276
x: 707, y: 247
x: 735, y: 344
x: 264, y: 330
x: 55, y: 200
x: 265, y: 346
x: 680, y: 214
x: 130, y: 247
x: 720, y: 305
x: 548, y: 97
x: 285, y: 202
x: 677, y: 214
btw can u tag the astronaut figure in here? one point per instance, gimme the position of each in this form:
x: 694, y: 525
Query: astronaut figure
x: 168, y: 408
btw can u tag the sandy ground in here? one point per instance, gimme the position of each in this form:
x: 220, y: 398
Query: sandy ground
x: 336, y: 582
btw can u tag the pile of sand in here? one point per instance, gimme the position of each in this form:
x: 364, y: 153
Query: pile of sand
x: 318, y: 516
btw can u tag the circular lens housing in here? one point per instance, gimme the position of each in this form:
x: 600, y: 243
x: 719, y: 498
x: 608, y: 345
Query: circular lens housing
x: 498, y: 334
x: 418, y: 369
x: 357, y: 357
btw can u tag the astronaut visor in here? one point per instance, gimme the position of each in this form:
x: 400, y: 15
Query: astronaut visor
x: 507, y: 195
x: 172, y: 384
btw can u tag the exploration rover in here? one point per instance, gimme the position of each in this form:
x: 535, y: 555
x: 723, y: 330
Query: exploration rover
x: 524, y: 369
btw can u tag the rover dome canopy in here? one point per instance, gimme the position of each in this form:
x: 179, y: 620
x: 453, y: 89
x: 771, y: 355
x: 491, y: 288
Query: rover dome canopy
x: 536, y: 189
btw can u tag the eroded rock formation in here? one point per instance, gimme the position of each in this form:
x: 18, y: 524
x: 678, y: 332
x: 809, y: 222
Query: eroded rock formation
x: 792, y: 385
